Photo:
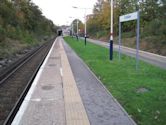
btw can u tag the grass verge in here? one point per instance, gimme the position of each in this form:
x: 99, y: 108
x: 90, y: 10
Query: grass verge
x: 142, y: 93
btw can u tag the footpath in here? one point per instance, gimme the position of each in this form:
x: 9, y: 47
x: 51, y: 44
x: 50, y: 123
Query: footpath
x: 66, y: 92
x: 148, y: 57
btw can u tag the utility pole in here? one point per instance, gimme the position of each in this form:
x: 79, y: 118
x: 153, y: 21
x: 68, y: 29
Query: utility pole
x: 111, y: 31
x: 85, y: 28
x: 72, y: 26
x: 72, y: 29
x: 77, y: 29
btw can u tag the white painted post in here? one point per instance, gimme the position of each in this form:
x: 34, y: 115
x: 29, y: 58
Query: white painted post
x: 111, y: 31
x: 120, y: 27
x: 137, y: 41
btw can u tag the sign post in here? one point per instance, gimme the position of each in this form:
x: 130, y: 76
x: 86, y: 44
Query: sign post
x: 130, y: 17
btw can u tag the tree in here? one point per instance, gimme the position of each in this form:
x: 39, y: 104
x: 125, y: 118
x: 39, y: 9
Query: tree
x: 20, y: 16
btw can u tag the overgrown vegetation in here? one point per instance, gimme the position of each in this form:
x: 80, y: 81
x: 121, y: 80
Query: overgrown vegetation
x: 22, y: 24
x: 153, y: 23
x: 142, y: 93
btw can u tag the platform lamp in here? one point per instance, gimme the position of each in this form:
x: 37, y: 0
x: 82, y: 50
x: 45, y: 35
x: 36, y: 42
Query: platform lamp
x: 111, y: 31
x: 85, y: 28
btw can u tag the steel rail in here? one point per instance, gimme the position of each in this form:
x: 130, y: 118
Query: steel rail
x: 12, y: 70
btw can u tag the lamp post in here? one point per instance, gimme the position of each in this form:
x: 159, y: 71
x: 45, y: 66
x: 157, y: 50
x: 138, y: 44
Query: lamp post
x: 85, y: 28
x: 77, y: 23
x: 72, y: 26
x: 111, y: 31
x: 77, y: 29
x: 72, y: 29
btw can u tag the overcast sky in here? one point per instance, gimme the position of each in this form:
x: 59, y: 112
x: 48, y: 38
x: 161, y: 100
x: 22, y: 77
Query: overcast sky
x: 59, y: 11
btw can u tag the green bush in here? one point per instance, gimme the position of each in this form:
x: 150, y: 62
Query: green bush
x: 101, y: 34
x: 2, y: 34
x: 162, y: 29
x: 128, y: 34
x: 156, y: 27
x: 28, y: 38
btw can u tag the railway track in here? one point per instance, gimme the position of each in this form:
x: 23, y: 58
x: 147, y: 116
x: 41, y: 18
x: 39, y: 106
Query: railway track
x: 16, y: 80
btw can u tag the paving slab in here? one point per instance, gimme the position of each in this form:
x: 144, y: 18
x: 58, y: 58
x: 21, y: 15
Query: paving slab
x: 75, y: 111
x: 53, y: 98
x: 101, y: 107
x: 44, y: 103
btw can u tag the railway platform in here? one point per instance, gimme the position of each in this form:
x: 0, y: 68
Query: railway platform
x: 66, y: 92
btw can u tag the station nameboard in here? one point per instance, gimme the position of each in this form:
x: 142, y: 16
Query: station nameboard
x: 125, y: 18
x: 128, y: 17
